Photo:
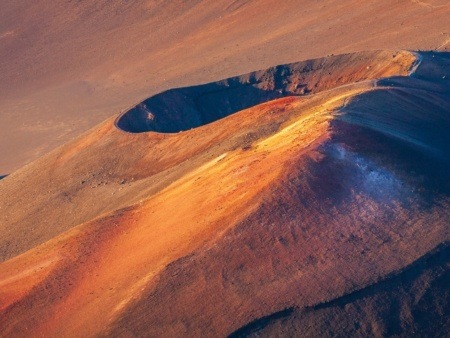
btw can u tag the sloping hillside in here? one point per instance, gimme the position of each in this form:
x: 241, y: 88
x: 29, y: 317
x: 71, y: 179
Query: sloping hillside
x: 320, y: 206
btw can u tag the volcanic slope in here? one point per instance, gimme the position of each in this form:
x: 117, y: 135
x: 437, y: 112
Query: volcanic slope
x: 315, y: 192
x: 68, y: 65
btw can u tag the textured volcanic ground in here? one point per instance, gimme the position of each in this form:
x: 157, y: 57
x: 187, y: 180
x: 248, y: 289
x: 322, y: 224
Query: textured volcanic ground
x: 67, y: 65
x: 308, y: 199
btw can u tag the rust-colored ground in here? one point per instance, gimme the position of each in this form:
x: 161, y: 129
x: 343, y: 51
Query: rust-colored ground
x: 250, y: 223
x: 308, y: 199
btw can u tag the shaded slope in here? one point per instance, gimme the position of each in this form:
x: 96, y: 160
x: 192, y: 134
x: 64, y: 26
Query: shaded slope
x: 413, y: 302
x: 289, y: 204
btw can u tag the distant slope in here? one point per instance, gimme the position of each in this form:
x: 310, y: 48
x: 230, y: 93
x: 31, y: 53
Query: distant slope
x: 273, y: 216
x: 67, y: 65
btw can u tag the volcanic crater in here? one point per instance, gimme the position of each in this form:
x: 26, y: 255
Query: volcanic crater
x: 182, y: 109
x: 312, y: 192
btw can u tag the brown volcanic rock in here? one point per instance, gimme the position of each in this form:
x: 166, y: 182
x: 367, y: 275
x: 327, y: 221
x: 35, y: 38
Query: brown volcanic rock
x: 303, y: 209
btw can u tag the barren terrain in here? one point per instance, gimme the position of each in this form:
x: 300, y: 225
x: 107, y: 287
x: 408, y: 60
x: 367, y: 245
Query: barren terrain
x: 333, y: 187
x: 67, y: 65
x: 282, y: 169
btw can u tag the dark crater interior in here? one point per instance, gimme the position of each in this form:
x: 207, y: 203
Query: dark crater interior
x: 181, y: 109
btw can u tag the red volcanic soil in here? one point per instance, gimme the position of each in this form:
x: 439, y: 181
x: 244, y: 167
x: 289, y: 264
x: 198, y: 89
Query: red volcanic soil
x: 68, y: 65
x: 309, y: 199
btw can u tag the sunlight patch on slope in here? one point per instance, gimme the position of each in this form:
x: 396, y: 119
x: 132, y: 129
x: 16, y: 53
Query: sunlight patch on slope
x: 307, y: 124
